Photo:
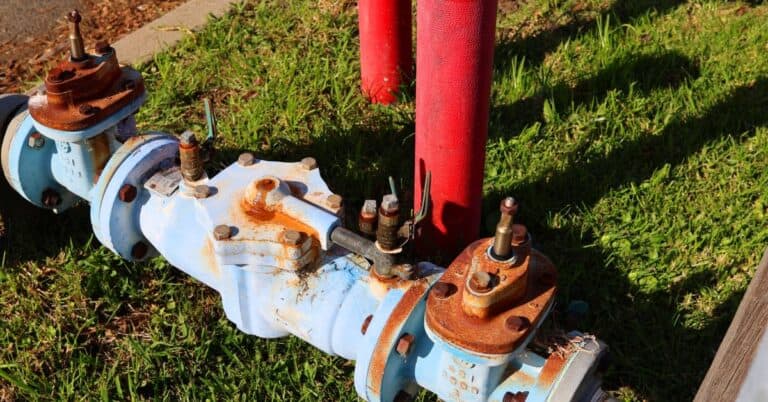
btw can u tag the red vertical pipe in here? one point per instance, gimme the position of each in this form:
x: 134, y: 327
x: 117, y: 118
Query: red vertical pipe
x: 454, y: 50
x: 386, y: 50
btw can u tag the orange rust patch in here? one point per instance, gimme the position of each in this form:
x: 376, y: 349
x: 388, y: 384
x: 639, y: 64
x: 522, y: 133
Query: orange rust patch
x: 209, y: 257
x: 390, y: 333
x: 100, y: 154
x: 552, y: 368
x: 265, y: 185
x: 490, y: 335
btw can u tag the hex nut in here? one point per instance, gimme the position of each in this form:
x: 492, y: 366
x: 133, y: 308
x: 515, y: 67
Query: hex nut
x: 36, y: 141
x: 222, y: 232
x: 127, y: 193
x: 334, y: 201
x: 292, y: 237
x: 201, y: 191
x: 309, y: 163
x: 481, y: 281
x: 390, y: 203
x: 405, y: 344
x: 246, y: 159
x: 188, y: 138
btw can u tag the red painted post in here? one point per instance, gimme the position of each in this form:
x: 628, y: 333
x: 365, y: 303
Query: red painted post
x: 386, y: 50
x: 455, y: 43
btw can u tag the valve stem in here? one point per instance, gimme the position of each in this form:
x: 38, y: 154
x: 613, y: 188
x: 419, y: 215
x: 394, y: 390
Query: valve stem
x: 502, y: 242
x: 76, y: 45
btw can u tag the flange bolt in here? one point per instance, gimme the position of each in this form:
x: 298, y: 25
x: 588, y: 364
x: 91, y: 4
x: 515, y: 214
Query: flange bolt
x: 517, y: 323
x: 292, y: 237
x: 334, y: 201
x: 36, y: 141
x: 201, y: 191
x: 309, y: 163
x: 443, y: 290
x: 246, y: 159
x: 127, y: 193
x: 481, y: 281
x: 222, y: 232
x: 405, y: 344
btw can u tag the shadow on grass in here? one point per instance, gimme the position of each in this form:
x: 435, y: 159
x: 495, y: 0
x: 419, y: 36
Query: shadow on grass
x: 656, y: 353
x: 535, y: 47
x: 641, y: 74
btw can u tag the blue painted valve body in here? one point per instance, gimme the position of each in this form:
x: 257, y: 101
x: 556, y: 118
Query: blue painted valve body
x: 260, y: 233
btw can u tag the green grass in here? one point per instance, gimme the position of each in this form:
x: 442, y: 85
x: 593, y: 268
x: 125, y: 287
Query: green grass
x: 634, y: 133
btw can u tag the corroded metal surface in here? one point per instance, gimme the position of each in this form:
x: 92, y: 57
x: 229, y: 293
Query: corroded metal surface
x: 499, y: 320
x: 80, y: 94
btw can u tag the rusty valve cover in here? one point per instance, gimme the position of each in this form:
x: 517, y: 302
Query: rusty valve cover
x: 488, y: 306
x: 80, y: 94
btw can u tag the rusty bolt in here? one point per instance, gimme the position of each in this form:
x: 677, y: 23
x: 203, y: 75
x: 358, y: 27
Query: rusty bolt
x: 102, y: 47
x: 201, y: 191
x: 51, y: 198
x: 481, y: 281
x: 309, y: 163
x: 390, y: 203
x: 405, y: 344
x: 88, y: 110
x: 292, y: 237
x: 139, y: 250
x: 366, y: 323
x: 188, y: 139
x: 334, y: 201
x: 127, y: 193
x: 246, y: 159
x: 222, y: 232
x: 517, y: 323
x: 443, y: 290
x: 519, y: 396
x: 36, y: 141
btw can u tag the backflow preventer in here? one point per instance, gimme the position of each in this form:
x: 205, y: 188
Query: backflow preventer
x: 268, y: 237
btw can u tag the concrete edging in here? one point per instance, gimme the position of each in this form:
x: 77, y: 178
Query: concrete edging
x: 161, y: 34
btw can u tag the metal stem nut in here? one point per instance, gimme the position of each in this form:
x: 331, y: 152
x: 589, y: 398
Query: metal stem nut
x: 246, y: 159
x: 405, y: 344
x: 443, y: 290
x: 309, y: 163
x: 292, y: 237
x: 127, y: 193
x: 201, y: 191
x: 517, y: 323
x: 36, y: 141
x: 366, y: 324
x: 481, y: 281
x: 334, y: 201
x: 222, y: 232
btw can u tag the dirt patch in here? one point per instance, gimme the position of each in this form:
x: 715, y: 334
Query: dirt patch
x: 24, y: 60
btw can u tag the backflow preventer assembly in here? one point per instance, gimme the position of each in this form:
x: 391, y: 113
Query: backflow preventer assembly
x: 268, y: 236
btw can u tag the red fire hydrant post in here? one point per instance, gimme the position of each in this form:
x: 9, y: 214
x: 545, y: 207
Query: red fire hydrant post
x: 386, y: 49
x: 455, y: 44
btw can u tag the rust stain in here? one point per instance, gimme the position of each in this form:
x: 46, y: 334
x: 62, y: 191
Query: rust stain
x: 488, y: 334
x: 552, y: 368
x: 209, y: 258
x: 391, y: 331
x: 100, y: 154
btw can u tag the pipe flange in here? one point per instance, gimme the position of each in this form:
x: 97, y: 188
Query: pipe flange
x: 26, y: 162
x: 119, y: 194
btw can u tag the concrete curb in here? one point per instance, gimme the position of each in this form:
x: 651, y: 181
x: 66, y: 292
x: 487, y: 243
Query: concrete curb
x: 164, y: 32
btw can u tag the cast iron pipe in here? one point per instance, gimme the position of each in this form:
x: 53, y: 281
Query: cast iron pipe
x: 455, y: 42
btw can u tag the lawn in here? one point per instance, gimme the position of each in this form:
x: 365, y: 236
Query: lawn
x: 634, y: 133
